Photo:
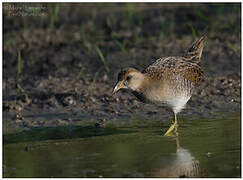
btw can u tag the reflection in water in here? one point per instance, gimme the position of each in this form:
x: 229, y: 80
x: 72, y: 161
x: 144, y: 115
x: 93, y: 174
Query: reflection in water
x: 182, y: 164
x: 87, y: 151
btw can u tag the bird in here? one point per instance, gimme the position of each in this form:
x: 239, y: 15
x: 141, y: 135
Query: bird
x: 168, y: 81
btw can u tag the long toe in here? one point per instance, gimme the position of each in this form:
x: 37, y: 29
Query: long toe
x: 170, y: 130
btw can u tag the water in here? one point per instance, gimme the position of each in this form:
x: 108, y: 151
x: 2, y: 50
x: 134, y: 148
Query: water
x: 204, y: 148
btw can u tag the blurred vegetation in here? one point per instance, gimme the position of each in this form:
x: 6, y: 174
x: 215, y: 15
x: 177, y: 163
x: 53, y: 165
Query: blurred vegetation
x: 86, y: 37
x: 53, y: 12
x: 19, y: 90
x: 102, y: 58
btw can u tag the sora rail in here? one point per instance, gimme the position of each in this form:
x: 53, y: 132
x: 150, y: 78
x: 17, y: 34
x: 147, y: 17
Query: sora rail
x: 169, y: 80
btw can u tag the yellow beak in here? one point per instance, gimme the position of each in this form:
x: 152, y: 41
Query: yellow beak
x: 118, y: 86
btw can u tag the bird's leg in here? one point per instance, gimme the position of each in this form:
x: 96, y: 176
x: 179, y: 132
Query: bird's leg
x: 176, y: 124
x: 173, y: 127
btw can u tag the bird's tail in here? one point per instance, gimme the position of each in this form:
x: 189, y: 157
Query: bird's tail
x: 194, y: 53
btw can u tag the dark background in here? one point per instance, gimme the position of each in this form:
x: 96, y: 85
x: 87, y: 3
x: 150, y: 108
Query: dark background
x: 60, y: 56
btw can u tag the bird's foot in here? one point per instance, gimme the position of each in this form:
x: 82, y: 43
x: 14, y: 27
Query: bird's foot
x: 172, y: 131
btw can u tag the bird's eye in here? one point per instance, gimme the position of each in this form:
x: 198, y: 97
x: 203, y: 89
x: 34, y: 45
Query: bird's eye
x: 128, y: 78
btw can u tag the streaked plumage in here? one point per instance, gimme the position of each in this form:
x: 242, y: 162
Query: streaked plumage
x: 169, y: 80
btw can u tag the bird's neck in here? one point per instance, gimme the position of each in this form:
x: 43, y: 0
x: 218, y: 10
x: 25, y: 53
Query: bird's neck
x: 143, y: 83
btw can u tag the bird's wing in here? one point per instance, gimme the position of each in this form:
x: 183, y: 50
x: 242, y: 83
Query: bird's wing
x: 190, y: 71
x: 173, y: 67
x: 159, y: 68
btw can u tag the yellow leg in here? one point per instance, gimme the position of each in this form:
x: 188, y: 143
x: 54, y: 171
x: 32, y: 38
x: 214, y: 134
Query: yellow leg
x: 172, y: 128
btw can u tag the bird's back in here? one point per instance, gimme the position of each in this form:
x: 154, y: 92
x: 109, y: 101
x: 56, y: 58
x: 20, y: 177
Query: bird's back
x: 175, y: 68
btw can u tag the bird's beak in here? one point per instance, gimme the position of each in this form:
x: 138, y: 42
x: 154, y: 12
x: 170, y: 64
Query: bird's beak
x: 118, y: 86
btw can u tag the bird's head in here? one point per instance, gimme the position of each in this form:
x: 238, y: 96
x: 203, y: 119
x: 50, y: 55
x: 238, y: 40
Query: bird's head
x: 130, y: 79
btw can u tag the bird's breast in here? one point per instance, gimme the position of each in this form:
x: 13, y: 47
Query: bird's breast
x: 151, y: 95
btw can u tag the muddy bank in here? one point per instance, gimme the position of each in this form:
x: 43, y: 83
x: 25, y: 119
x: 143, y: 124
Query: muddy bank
x: 62, y: 73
